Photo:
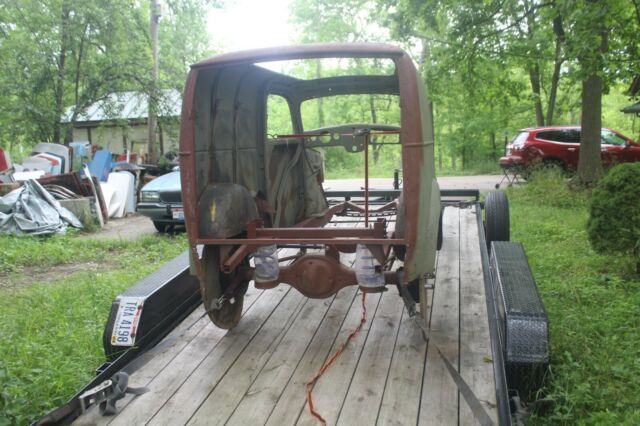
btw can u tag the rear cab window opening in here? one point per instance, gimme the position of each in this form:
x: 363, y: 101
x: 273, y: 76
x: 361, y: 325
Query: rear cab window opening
x: 330, y: 114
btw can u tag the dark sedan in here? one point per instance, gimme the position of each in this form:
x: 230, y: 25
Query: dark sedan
x: 161, y: 201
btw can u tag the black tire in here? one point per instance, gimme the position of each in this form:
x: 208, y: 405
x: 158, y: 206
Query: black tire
x: 496, y: 222
x: 212, y: 286
x: 553, y: 166
x: 160, y: 227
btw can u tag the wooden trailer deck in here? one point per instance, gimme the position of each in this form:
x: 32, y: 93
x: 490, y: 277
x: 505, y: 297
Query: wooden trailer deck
x: 387, y: 375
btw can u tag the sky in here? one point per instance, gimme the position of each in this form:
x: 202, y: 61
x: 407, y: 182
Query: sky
x: 248, y: 24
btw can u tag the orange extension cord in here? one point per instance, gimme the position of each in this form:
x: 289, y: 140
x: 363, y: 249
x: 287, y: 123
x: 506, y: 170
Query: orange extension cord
x: 310, y: 384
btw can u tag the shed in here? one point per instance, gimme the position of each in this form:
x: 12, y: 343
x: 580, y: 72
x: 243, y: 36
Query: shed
x: 118, y: 122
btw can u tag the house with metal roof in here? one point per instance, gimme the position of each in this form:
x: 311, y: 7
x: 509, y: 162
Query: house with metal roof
x: 118, y: 122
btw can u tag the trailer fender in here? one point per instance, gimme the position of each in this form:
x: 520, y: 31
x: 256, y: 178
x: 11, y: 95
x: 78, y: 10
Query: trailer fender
x: 225, y: 209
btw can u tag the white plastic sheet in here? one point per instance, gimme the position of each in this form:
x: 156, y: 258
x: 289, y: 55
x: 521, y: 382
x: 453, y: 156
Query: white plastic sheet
x: 31, y: 210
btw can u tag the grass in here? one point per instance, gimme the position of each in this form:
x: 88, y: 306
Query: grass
x: 385, y: 170
x: 593, y: 303
x: 51, y: 332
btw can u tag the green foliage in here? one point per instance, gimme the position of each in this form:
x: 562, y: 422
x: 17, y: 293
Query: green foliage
x: 59, y: 57
x: 551, y: 187
x: 593, y: 309
x: 51, y: 331
x: 614, y: 215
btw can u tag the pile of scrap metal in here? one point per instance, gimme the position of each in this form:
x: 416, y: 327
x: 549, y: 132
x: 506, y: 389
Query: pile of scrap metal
x: 110, y: 192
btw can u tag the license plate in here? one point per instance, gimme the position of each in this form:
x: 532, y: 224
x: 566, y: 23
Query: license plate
x: 178, y: 214
x: 125, y: 327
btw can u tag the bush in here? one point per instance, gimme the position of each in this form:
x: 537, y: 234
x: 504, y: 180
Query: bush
x: 614, y: 216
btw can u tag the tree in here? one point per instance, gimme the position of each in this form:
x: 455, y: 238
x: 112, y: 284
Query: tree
x: 602, y: 42
x: 70, y: 53
x: 63, y: 55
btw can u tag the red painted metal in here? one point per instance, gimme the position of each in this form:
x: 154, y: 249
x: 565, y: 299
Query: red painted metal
x: 302, y: 239
x: 316, y: 221
x: 313, y: 135
x: 366, y: 179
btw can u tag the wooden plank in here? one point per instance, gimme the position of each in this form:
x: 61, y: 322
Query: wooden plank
x: 176, y: 372
x: 476, y: 366
x: 160, y: 356
x: 365, y: 393
x: 439, y: 404
x: 268, y: 361
x: 401, y: 401
x: 195, y: 389
x: 329, y: 392
x: 255, y: 404
x: 292, y: 400
x: 260, y: 399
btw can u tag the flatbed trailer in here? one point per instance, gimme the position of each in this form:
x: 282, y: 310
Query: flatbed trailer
x: 388, y: 374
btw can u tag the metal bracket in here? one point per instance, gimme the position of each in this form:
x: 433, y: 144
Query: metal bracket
x: 96, y: 395
x: 410, y: 304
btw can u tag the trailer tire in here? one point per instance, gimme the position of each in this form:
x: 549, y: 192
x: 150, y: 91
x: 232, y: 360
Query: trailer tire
x: 212, y: 286
x: 496, y: 222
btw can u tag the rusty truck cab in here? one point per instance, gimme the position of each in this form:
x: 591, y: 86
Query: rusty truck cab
x: 246, y: 191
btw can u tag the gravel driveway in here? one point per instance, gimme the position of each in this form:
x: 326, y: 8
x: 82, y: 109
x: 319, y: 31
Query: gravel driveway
x: 484, y: 183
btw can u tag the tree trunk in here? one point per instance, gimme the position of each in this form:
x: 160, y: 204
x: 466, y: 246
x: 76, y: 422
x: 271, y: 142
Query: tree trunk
x: 494, y: 149
x: 534, y: 67
x: 557, y: 65
x: 534, y: 77
x: 152, y: 119
x: 590, y: 162
x: 463, y: 158
x: 59, y: 79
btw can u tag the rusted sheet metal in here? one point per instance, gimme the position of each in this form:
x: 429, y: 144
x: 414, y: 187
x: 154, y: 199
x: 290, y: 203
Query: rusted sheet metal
x: 225, y: 209
x: 223, y: 141
x: 419, y: 198
x: 187, y: 160
x: 307, y: 51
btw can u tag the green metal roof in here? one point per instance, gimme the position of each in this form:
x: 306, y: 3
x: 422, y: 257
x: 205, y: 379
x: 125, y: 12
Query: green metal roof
x: 127, y: 106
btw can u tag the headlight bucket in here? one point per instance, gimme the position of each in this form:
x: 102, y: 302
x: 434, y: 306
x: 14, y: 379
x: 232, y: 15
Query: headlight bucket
x: 149, y: 196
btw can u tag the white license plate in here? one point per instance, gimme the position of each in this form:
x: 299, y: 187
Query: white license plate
x: 177, y: 214
x: 125, y: 328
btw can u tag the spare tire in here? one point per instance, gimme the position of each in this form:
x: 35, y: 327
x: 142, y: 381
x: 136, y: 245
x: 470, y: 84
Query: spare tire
x: 496, y: 219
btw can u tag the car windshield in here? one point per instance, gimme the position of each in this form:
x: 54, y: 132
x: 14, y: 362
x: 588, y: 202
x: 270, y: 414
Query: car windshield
x: 519, y: 139
x: 610, y: 138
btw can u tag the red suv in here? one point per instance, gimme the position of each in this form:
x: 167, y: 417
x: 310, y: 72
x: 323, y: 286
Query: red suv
x: 560, y: 145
